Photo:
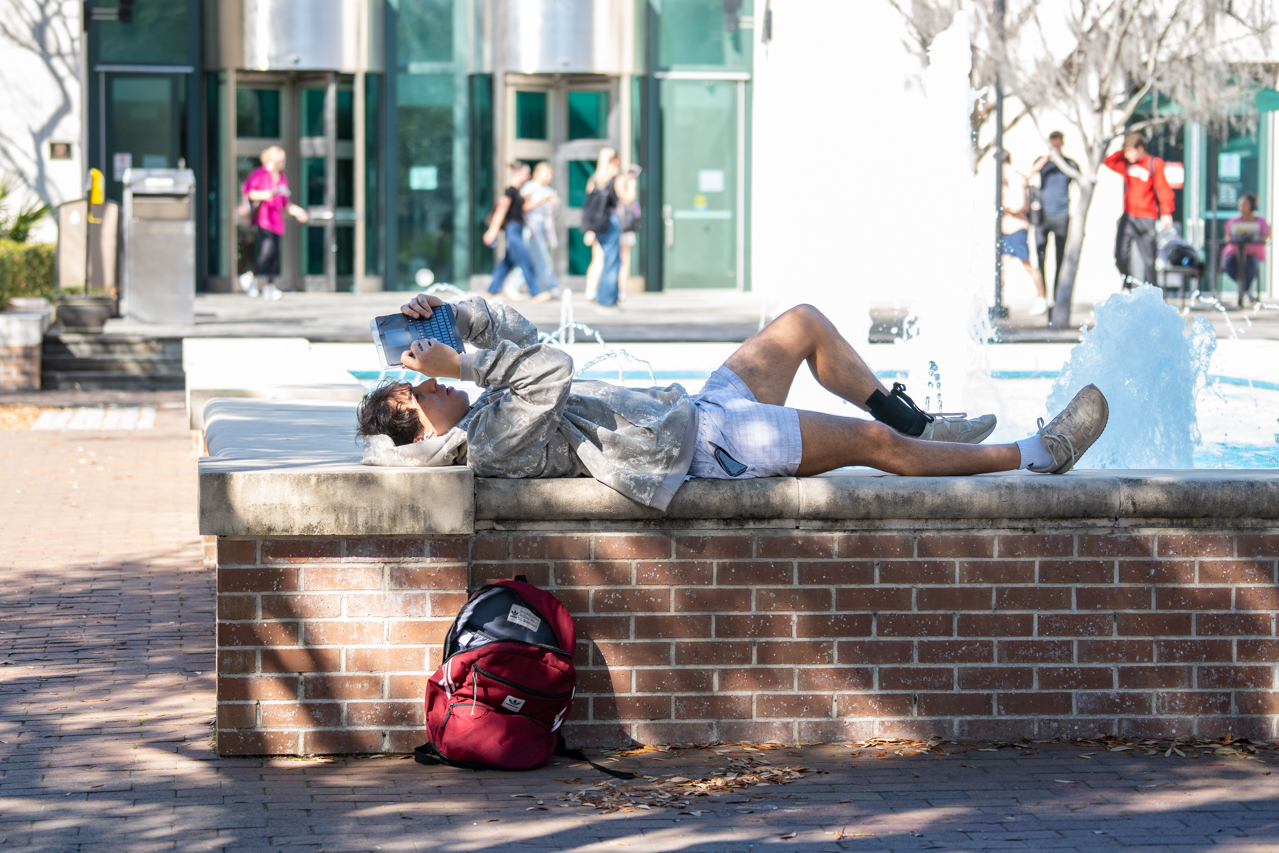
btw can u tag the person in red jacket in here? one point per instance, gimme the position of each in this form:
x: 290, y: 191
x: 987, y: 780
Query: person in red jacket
x: 1148, y: 202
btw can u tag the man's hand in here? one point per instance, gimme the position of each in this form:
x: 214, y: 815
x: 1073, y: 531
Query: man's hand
x: 1165, y: 222
x: 421, y: 306
x: 433, y: 358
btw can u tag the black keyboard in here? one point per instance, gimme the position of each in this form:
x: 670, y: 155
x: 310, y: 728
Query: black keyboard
x: 440, y: 325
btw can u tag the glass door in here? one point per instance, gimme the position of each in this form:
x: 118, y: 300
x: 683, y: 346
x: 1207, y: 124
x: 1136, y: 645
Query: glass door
x: 702, y: 225
x: 145, y: 120
x: 326, y: 186
x: 259, y: 124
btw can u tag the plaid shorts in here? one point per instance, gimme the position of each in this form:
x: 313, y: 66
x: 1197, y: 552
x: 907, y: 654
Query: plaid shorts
x: 740, y: 438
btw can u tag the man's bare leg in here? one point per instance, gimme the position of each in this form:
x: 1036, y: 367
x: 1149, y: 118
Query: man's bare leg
x: 832, y: 442
x: 767, y: 361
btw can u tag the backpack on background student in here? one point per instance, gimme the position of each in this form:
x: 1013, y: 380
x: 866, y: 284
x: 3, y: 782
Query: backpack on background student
x: 506, y: 684
x: 598, y: 207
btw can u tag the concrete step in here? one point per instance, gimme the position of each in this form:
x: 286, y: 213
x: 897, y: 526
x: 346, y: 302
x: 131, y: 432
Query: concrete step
x: 93, y: 345
x: 111, y: 361
x: 102, y: 380
x: 119, y: 363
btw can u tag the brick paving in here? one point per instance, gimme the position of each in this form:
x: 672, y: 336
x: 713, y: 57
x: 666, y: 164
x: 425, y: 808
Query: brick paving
x: 106, y: 703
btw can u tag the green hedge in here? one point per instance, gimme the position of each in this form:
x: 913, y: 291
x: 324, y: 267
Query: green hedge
x: 27, y: 269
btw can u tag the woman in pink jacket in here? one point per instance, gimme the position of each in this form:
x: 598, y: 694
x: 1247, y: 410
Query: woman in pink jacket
x: 266, y: 198
x: 1253, y: 232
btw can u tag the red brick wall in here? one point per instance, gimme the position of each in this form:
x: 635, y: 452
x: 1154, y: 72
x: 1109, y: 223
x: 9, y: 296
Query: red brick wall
x: 19, y: 368
x: 693, y: 636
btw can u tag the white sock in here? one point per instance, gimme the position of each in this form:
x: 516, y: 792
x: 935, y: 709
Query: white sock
x: 1033, y: 452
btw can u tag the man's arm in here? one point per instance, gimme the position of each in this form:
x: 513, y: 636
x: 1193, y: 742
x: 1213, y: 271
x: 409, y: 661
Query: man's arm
x: 1163, y: 192
x: 499, y: 216
x: 508, y: 436
x: 1117, y: 162
x: 480, y: 323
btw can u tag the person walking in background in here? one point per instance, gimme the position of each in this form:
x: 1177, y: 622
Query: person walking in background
x: 598, y: 201
x: 508, y: 217
x: 265, y: 199
x: 1054, y: 192
x: 630, y: 214
x: 1148, y: 206
x: 1253, y: 231
x: 602, y: 223
x: 540, y: 203
x: 1015, y: 226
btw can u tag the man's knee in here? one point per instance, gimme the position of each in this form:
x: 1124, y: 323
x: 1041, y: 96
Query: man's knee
x: 805, y: 316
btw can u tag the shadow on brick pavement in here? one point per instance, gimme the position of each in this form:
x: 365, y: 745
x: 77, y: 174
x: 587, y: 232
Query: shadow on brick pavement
x: 106, y: 702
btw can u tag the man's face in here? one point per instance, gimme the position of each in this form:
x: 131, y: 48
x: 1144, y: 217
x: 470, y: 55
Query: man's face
x: 1134, y: 153
x: 1055, y: 142
x: 439, y: 407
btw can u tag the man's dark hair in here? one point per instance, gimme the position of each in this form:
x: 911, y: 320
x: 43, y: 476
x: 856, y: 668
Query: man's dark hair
x: 1057, y: 134
x: 379, y: 413
x: 1136, y: 139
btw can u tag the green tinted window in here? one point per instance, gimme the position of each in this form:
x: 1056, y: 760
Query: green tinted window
x: 530, y: 115
x: 313, y: 183
x: 346, y: 114
x: 424, y: 31
x: 696, y: 33
x: 312, y: 112
x: 257, y: 113
x: 158, y: 33
x: 579, y: 172
x: 344, y: 183
x: 313, y: 250
x: 425, y: 206
x: 344, y: 249
x: 579, y: 254
x: 588, y: 115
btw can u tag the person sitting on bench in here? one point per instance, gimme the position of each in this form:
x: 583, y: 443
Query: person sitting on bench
x: 534, y: 419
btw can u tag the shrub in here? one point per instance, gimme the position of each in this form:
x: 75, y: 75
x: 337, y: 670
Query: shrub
x: 27, y: 269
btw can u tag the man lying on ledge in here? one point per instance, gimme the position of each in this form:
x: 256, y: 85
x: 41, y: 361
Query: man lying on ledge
x: 534, y: 420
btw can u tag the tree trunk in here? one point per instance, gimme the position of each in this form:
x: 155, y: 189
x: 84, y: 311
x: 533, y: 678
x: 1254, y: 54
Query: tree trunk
x: 1070, y: 262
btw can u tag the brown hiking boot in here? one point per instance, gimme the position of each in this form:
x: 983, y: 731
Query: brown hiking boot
x: 1069, y: 435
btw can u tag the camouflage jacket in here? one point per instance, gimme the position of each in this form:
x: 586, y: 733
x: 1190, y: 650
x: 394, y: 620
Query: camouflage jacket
x: 534, y: 420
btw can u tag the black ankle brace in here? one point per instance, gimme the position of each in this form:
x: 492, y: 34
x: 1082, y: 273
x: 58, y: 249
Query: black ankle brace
x: 898, y: 411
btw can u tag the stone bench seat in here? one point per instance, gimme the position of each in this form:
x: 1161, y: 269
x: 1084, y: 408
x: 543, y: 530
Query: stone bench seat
x: 793, y: 609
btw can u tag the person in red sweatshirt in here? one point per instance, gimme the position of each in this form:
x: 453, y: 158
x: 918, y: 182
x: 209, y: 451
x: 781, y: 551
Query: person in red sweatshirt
x: 1148, y: 202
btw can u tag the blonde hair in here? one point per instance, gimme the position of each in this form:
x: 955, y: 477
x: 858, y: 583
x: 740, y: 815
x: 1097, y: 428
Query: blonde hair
x: 542, y: 168
x: 604, y: 167
x: 274, y: 152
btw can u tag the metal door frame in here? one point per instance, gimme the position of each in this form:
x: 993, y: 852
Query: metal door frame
x: 741, y: 78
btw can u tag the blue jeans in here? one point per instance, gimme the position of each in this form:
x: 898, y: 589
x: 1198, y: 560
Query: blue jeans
x: 611, y: 243
x: 516, y: 255
x: 540, y: 250
x: 1250, y: 269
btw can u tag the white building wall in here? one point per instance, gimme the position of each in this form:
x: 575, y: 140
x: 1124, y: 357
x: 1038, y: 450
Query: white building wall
x: 839, y: 208
x: 41, y: 55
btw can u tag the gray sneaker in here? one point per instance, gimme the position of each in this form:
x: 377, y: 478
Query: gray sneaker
x: 1069, y: 435
x: 961, y: 430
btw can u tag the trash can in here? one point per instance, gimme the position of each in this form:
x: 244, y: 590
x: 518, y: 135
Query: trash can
x: 159, y: 246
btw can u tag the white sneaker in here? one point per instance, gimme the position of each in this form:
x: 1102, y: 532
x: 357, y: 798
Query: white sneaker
x: 1039, y: 307
x: 1069, y: 435
x: 272, y: 292
x: 249, y: 284
x: 958, y: 429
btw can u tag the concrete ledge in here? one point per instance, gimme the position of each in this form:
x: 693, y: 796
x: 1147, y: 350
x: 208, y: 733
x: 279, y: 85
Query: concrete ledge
x: 293, y: 469
x: 279, y: 468
x: 869, y: 496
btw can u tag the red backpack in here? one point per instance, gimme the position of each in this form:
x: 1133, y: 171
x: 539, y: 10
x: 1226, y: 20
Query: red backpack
x: 506, y: 683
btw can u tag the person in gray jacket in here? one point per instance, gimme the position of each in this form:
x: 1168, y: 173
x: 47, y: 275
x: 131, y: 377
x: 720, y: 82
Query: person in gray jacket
x: 534, y: 419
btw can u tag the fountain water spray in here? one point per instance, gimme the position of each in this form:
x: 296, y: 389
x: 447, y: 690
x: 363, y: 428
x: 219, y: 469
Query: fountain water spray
x: 1151, y: 370
x: 947, y: 285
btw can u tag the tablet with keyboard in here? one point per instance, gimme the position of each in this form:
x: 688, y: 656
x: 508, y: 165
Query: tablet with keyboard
x: 395, y: 333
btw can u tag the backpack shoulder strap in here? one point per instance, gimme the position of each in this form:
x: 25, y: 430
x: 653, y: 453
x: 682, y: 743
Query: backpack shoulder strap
x: 561, y: 749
